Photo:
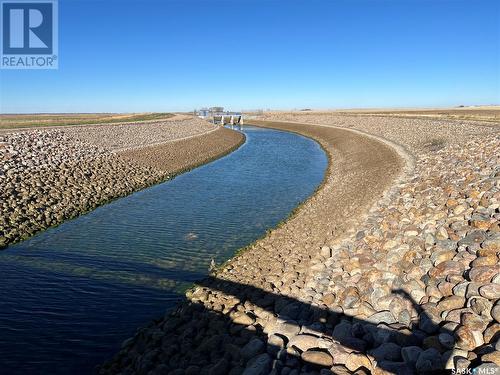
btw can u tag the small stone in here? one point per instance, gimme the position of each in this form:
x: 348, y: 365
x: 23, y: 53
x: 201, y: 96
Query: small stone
x: 410, y: 354
x: 382, y: 317
x: 492, y: 242
x: 432, y: 342
x: 412, y: 231
x: 336, y: 370
x: 489, y: 260
x: 460, y: 289
x: 429, y: 323
x: 328, y: 299
x: 429, y: 360
x: 490, y: 291
x: 461, y: 208
x: 252, y: 348
x: 473, y: 238
x: 342, y: 331
x: 442, y: 233
x: 461, y: 363
x: 487, y: 252
x: 291, y: 310
x: 491, y: 332
x: 288, y: 329
x: 339, y: 353
x: 465, y: 339
x: 447, y: 340
x: 472, y: 290
x: 387, y: 351
x: 451, y: 303
x: 390, y: 244
x: 303, y: 342
x: 351, y: 298
x: 480, y: 306
x: 441, y: 256
x: 481, y: 222
x: 446, y: 245
x: 259, y: 365
x: 318, y: 358
x: 495, y: 312
x: 326, y: 252
x: 449, y: 267
x: 451, y: 357
x: 243, y: 319
x: 493, y: 357
x: 430, y: 240
x: 275, y: 343
x: 358, y: 360
x: 446, y: 288
x: 483, y: 274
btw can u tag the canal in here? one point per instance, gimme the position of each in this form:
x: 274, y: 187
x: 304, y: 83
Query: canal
x: 72, y: 294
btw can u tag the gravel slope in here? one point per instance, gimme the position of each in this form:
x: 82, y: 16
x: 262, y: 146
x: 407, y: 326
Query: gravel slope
x: 418, y: 135
x: 141, y: 134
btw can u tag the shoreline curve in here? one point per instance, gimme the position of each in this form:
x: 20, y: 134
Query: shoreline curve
x: 236, y: 296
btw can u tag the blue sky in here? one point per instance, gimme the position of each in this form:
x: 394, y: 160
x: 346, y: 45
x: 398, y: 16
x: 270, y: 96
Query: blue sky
x: 161, y: 55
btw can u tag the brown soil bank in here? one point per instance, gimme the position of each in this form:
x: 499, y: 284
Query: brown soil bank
x: 50, y: 176
x: 257, y: 315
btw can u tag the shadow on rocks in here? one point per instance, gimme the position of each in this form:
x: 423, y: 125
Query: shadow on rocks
x: 231, y: 328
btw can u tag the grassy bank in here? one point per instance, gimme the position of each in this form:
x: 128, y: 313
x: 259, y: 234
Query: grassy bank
x: 18, y: 121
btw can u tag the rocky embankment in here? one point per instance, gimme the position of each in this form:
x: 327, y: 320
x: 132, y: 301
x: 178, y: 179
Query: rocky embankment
x: 142, y: 134
x: 410, y: 285
x: 49, y: 176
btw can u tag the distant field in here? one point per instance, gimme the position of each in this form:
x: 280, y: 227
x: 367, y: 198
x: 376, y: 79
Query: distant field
x: 490, y: 114
x: 65, y: 119
x: 480, y: 113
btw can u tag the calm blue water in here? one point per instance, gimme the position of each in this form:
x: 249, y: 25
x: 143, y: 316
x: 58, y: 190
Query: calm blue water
x: 72, y: 294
